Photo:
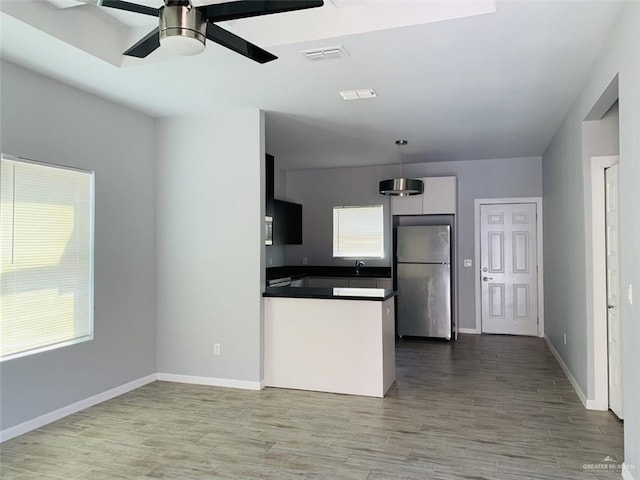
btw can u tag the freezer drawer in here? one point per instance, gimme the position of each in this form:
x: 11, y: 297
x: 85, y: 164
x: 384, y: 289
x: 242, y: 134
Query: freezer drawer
x: 424, y: 300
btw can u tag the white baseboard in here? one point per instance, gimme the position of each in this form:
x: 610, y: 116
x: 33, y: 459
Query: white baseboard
x: 469, y: 330
x: 50, y: 417
x: 211, y: 381
x: 567, y: 372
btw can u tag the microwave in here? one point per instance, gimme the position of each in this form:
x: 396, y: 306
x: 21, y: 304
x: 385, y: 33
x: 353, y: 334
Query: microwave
x: 268, y: 230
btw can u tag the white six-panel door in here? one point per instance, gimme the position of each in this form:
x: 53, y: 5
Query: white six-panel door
x: 508, y: 254
x: 614, y: 329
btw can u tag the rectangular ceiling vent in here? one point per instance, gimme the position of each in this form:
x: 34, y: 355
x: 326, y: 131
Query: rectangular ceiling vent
x: 65, y: 3
x: 358, y: 94
x: 326, y: 53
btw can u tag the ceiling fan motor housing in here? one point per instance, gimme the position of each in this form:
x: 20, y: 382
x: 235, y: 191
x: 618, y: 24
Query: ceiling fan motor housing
x: 182, y: 21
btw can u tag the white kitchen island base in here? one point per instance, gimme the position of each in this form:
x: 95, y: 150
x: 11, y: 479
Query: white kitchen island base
x: 330, y: 345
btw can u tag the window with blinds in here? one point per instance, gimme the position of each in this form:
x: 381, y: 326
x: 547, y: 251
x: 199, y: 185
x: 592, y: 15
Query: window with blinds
x: 358, y: 232
x: 46, y: 242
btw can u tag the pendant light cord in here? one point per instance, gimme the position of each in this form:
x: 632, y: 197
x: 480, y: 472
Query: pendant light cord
x: 401, y: 144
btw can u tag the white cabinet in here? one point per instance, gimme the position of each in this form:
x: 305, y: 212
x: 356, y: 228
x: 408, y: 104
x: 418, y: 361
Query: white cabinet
x: 406, y: 205
x: 439, y: 197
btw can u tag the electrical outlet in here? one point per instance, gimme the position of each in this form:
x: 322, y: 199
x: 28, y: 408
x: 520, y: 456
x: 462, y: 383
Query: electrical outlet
x: 304, y: 260
x: 630, y: 294
x: 564, y: 337
x: 216, y: 349
x: 468, y: 262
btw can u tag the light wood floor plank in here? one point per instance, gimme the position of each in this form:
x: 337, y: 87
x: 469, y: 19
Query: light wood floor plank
x: 485, y: 407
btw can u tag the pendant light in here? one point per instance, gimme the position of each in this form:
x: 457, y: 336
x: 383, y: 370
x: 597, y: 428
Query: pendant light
x: 400, y: 186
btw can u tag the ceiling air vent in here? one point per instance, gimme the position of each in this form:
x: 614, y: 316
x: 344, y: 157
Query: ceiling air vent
x: 326, y: 53
x: 358, y: 94
x: 65, y: 3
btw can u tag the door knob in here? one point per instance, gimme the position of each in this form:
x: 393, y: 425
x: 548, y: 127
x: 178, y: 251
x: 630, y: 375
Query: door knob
x: 487, y: 278
x: 611, y: 306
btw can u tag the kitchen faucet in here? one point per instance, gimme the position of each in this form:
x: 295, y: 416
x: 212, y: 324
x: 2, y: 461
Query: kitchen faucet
x: 359, y: 263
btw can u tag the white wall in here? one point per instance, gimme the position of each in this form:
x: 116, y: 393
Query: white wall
x: 566, y: 216
x: 210, y: 245
x: 320, y: 190
x: 45, y: 120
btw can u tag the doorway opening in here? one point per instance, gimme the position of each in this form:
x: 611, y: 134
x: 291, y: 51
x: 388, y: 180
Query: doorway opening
x: 601, y: 148
x: 604, y: 283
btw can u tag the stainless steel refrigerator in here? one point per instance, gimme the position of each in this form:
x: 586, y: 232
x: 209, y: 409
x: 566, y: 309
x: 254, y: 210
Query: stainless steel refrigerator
x: 423, y: 280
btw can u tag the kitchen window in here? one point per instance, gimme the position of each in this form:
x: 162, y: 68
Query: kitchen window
x: 358, y: 232
x: 46, y: 239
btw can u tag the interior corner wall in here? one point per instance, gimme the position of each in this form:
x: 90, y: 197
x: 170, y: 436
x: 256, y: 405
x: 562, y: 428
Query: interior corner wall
x: 210, y: 245
x: 565, y: 215
x: 320, y: 190
x: 51, y: 122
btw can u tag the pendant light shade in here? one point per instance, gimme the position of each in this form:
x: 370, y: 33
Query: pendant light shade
x: 400, y: 186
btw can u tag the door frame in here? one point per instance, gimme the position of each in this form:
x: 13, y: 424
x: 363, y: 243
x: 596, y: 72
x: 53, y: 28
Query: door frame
x: 597, y: 257
x: 478, y: 202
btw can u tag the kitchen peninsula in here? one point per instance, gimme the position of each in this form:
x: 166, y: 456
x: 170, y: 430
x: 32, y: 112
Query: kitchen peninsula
x: 339, y: 340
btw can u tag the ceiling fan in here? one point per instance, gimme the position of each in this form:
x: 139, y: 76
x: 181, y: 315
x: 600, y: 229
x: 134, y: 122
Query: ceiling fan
x: 183, y: 28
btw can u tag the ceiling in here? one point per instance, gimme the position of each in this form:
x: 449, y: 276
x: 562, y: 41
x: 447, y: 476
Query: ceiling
x: 459, y: 80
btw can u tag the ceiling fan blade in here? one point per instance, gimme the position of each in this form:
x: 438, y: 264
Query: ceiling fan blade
x: 237, y: 44
x: 130, y: 7
x: 146, y: 45
x: 220, y: 12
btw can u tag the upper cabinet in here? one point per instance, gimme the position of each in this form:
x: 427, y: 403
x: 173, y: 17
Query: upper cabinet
x: 286, y: 216
x: 269, y: 187
x: 439, y: 197
x: 287, y: 223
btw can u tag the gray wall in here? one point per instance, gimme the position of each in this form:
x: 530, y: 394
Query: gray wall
x: 210, y: 245
x: 47, y: 121
x: 320, y: 190
x: 566, y: 217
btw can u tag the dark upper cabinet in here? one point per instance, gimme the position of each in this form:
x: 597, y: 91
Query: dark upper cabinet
x: 269, y: 186
x: 287, y: 216
x: 287, y: 223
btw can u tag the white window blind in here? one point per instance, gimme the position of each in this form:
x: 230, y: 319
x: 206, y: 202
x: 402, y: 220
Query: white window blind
x: 46, y: 235
x: 358, y: 232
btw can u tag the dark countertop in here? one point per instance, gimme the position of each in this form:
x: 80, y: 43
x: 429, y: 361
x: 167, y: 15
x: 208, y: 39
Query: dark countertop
x: 377, y: 294
x: 320, y: 271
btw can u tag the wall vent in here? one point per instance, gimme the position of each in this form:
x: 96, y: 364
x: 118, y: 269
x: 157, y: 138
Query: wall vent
x: 326, y: 53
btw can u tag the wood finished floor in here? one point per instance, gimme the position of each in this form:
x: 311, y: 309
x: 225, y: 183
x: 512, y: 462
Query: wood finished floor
x: 486, y: 407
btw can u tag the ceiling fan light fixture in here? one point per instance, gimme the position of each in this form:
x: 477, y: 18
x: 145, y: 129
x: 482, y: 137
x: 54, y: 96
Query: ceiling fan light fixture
x: 182, y: 44
x: 182, y: 30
